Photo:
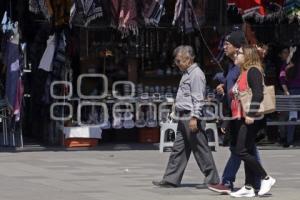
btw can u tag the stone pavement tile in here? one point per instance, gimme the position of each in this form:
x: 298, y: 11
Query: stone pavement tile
x: 16, y: 189
x: 125, y: 175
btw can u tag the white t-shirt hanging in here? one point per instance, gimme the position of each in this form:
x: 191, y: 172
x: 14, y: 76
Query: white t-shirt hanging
x: 15, y: 66
x: 47, y: 58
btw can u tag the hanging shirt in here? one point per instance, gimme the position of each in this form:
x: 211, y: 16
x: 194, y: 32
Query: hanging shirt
x: 47, y: 58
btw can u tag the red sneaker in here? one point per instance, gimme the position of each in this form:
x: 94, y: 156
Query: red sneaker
x: 220, y: 188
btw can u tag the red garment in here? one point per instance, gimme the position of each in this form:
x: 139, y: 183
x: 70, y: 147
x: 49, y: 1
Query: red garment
x: 243, y: 81
x: 236, y: 107
x: 248, y: 4
x: 19, y: 97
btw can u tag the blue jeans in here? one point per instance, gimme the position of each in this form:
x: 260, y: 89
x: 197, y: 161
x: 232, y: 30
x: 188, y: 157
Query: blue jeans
x: 291, y: 129
x: 232, y: 167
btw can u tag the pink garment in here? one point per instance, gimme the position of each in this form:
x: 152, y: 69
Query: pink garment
x: 291, y: 83
x: 240, y: 86
x: 125, y: 16
x: 19, y: 97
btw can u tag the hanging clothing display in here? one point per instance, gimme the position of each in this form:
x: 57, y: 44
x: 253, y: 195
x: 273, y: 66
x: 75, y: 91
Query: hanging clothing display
x: 290, y: 11
x: 200, y: 7
x: 248, y: 5
x: 292, y: 8
x: 61, y: 11
x: 38, y: 46
x: 19, y: 97
x: 13, y: 61
x: 59, y: 59
x: 260, y: 5
x: 185, y: 15
x: 14, y: 87
x: 90, y: 9
x: 47, y: 58
x: 153, y: 10
x: 128, y: 17
x: 58, y: 10
x: 43, y: 6
x: 125, y: 16
x: 6, y: 23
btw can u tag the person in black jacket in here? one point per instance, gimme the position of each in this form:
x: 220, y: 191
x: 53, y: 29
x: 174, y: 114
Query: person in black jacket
x: 247, y: 124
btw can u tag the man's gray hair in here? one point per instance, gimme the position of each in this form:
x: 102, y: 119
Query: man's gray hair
x: 185, y: 50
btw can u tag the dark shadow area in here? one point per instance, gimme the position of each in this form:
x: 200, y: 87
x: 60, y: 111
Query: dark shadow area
x: 193, y: 185
x: 100, y: 147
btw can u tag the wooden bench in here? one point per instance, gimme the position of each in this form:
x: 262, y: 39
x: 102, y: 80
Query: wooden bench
x: 285, y: 104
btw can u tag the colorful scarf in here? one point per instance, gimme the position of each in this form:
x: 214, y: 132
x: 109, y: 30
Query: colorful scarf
x: 61, y: 9
x: 125, y: 16
x: 292, y: 8
x: 91, y: 9
x: 289, y: 12
x: 153, y: 11
x: 44, y: 6
x: 199, y: 11
x: 185, y: 16
x: 34, y: 6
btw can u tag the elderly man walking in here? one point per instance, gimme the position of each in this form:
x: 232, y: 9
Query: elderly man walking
x: 190, y: 134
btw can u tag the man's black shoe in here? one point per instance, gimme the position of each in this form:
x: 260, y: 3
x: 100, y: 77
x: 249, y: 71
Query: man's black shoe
x: 164, y: 184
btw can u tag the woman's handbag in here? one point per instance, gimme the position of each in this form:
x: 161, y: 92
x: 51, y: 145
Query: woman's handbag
x: 268, y: 105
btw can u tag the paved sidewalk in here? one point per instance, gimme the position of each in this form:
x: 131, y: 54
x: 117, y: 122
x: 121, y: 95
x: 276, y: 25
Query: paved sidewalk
x: 122, y: 175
